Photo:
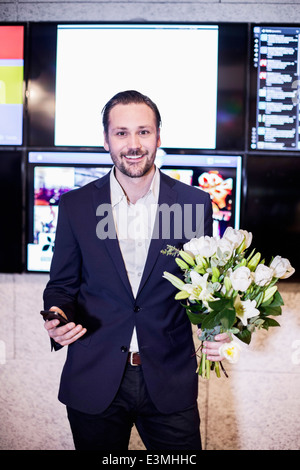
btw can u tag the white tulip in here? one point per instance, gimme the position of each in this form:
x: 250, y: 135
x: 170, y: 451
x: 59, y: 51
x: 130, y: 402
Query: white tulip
x: 263, y: 275
x: 241, y: 278
x: 248, y: 238
x: 282, y: 267
x: 226, y: 247
x: 205, y: 246
x: 234, y: 236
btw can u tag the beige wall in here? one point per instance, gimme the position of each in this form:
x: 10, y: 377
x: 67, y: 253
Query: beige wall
x: 155, y: 10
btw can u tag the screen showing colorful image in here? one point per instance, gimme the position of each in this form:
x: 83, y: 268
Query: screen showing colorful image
x: 175, y: 65
x: 50, y: 179
x: 11, y: 84
x: 220, y: 176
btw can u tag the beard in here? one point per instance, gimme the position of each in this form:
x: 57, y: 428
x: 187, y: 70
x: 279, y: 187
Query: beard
x: 131, y: 168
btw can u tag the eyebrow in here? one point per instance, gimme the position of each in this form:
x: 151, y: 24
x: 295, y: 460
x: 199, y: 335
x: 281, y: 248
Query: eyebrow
x: 123, y: 128
x: 139, y: 127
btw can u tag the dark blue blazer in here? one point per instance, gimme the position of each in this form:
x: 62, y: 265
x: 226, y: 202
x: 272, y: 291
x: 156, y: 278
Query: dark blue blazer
x: 88, y: 280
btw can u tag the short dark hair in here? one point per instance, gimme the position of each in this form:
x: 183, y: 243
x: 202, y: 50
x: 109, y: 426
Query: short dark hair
x: 128, y: 97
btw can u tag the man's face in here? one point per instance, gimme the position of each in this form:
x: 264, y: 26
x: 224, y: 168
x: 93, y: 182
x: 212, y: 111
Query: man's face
x: 132, y: 138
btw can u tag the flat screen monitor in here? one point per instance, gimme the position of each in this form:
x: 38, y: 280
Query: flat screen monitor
x: 11, y: 84
x: 220, y: 176
x: 11, y: 233
x: 275, y: 88
x: 273, y: 206
x: 50, y: 174
x: 195, y: 73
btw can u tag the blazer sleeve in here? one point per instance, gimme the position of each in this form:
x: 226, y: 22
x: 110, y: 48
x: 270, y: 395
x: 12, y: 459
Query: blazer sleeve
x: 65, y: 271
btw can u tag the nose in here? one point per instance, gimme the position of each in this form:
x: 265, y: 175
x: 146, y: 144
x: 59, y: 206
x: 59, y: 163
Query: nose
x: 133, y: 142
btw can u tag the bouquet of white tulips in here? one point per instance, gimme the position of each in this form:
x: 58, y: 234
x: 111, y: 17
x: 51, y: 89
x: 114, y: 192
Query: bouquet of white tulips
x: 224, y: 289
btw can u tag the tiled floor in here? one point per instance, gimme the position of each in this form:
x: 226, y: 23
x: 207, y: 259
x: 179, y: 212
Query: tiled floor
x: 257, y: 407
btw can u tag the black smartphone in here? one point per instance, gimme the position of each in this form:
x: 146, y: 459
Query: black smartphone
x: 50, y: 315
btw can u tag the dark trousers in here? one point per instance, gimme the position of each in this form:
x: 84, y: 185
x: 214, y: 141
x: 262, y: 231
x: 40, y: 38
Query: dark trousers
x: 111, y: 429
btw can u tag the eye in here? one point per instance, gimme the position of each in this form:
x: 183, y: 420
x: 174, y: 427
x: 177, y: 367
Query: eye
x: 144, y: 132
x: 121, y: 133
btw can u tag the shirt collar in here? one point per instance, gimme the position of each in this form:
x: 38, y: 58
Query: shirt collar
x: 118, y: 194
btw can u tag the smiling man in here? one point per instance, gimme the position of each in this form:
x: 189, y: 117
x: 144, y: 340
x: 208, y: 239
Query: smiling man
x: 131, y: 357
x: 132, y: 145
x: 132, y: 136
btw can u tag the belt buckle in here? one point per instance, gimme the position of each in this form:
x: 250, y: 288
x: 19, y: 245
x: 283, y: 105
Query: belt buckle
x: 131, y: 359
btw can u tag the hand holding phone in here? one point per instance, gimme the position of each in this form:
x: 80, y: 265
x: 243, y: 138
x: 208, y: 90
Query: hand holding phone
x: 53, y: 315
x: 62, y: 336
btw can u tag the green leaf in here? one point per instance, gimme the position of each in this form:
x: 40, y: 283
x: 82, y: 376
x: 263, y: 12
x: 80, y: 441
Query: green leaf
x: 196, y: 312
x: 225, y: 317
x: 278, y: 301
x: 228, y: 318
x: 211, y: 320
x: 269, y: 322
x: 196, y: 318
x: 194, y: 307
x: 270, y: 310
x: 245, y: 336
x: 218, y: 305
x: 275, y: 301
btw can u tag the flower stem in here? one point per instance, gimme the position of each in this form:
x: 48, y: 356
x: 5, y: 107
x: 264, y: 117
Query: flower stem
x: 203, y: 360
x: 207, y: 364
x: 217, y: 368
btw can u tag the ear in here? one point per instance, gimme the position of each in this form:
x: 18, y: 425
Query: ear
x: 106, y: 145
x: 158, y: 144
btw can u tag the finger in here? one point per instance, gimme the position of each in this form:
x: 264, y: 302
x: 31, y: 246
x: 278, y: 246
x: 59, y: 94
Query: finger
x: 223, y: 337
x: 51, y: 324
x: 212, y: 345
x: 212, y: 354
x: 66, y: 341
x: 215, y: 358
x: 67, y: 337
x: 61, y: 331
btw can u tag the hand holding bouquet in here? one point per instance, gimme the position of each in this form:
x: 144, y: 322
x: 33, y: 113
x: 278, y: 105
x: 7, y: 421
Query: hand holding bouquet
x: 226, y: 290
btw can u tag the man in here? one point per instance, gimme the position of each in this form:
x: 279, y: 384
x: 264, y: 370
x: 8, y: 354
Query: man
x: 130, y: 357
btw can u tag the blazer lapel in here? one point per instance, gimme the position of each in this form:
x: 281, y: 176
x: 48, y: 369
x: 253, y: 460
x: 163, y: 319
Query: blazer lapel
x: 168, y: 196
x: 102, y: 199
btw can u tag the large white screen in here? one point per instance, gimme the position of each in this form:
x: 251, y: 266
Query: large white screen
x: 175, y: 65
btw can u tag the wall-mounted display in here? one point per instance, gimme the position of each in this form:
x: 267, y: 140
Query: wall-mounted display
x: 11, y: 84
x: 196, y: 73
x: 276, y: 63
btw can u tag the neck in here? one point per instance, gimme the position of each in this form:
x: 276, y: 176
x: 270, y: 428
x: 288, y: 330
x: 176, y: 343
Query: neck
x: 135, y: 188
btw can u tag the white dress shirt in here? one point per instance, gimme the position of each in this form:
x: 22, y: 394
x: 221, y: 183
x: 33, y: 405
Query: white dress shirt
x: 134, y: 226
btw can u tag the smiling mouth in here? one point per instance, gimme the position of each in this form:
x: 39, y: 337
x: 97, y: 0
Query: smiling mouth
x: 134, y: 155
x: 131, y: 157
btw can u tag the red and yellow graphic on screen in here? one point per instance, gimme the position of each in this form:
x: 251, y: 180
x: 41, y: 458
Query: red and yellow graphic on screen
x: 11, y: 84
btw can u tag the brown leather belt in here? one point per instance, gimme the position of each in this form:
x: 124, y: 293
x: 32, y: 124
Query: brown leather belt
x: 134, y: 359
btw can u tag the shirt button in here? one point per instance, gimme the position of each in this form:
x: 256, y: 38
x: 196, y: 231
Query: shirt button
x: 124, y: 349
